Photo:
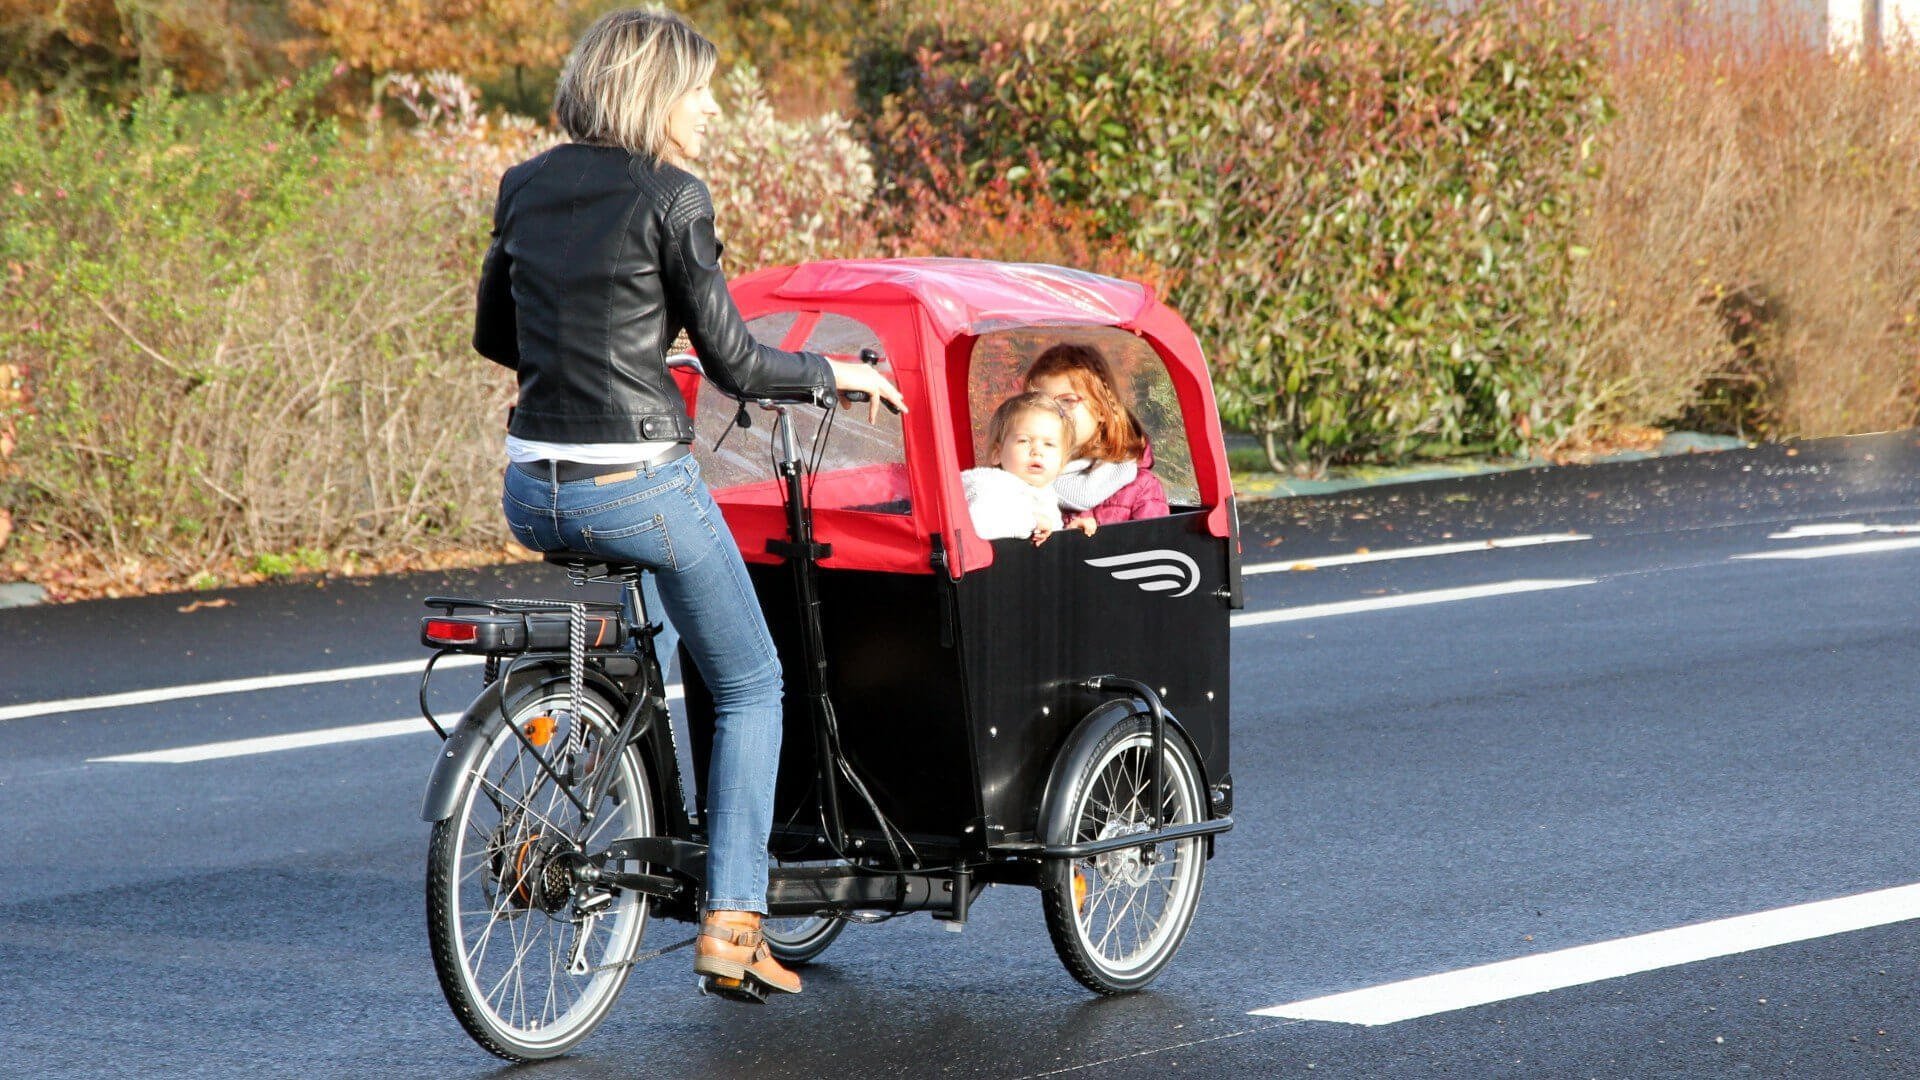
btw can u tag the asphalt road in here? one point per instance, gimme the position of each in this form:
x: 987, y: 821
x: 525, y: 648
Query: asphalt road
x: 1658, y: 733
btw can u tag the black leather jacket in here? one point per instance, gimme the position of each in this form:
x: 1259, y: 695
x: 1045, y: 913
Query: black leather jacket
x: 599, y: 258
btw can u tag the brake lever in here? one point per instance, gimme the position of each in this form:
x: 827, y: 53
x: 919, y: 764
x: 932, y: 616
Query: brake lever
x: 870, y: 357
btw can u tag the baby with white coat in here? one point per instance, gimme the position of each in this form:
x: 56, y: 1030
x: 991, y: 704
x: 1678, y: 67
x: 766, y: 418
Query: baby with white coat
x: 1015, y: 497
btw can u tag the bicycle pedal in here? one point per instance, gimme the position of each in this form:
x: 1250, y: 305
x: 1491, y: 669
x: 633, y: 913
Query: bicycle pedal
x: 744, y: 990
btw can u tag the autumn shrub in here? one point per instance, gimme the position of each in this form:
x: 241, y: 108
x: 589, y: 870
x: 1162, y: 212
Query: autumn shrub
x: 785, y: 191
x: 239, y: 338
x: 1369, y: 207
x: 115, y: 48
x: 800, y: 47
x: 1011, y: 222
x: 1755, y: 238
x: 230, y: 331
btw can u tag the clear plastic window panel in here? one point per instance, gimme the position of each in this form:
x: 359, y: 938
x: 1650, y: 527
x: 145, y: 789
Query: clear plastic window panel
x: 1000, y: 362
x: 862, y: 465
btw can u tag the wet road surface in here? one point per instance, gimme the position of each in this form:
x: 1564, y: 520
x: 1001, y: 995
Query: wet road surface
x: 1659, y: 732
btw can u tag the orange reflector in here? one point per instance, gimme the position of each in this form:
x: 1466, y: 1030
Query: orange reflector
x: 452, y: 631
x: 539, y: 730
x: 1079, y: 890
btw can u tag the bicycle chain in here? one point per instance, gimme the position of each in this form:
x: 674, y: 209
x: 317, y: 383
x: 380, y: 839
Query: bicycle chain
x: 645, y: 956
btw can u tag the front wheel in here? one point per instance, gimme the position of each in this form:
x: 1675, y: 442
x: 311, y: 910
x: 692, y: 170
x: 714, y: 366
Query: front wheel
x: 1116, y: 919
x: 530, y: 961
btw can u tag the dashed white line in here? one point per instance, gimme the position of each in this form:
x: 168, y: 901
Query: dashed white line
x: 1460, y: 548
x: 1802, y: 532
x: 295, y: 740
x: 1404, y: 600
x: 228, y: 686
x: 267, y: 744
x: 1828, y: 551
x: 1528, y: 975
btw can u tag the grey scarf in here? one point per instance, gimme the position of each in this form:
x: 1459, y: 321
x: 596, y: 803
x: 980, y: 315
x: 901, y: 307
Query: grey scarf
x: 1085, y: 483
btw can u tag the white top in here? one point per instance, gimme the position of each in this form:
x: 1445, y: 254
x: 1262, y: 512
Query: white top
x: 593, y: 453
x: 1003, y: 505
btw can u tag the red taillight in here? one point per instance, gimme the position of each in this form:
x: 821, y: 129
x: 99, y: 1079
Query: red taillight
x: 452, y: 631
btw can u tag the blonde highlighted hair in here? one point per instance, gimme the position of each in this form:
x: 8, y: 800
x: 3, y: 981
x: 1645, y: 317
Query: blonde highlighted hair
x: 624, y: 76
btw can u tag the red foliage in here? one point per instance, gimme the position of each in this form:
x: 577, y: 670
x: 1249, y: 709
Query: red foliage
x: 1011, y: 222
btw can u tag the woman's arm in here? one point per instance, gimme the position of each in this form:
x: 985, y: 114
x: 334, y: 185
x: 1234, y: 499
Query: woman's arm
x: 697, y: 295
x: 496, y: 325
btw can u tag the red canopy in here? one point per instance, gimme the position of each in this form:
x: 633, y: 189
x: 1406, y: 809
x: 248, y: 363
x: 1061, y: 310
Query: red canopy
x: 927, y: 314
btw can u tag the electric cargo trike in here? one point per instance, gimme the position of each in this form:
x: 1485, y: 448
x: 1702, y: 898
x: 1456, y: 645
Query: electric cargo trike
x: 958, y: 712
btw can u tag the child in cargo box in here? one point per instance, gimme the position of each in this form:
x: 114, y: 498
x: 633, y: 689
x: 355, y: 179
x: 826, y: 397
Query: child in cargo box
x: 1014, y: 497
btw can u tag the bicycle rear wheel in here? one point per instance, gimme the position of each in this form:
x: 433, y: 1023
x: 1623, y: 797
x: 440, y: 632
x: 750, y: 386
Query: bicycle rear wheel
x: 530, y: 963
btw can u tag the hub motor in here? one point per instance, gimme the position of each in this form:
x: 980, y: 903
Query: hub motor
x: 1130, y: 866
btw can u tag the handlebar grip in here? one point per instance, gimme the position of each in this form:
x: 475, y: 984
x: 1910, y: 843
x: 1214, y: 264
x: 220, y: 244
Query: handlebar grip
x: 861, y: 397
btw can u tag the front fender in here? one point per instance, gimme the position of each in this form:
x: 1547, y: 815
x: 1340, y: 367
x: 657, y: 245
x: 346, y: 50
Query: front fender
x: 460, y: 754
x: 1055, y: 824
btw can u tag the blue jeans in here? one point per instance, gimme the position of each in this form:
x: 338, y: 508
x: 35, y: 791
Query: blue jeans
x: 664, y: 518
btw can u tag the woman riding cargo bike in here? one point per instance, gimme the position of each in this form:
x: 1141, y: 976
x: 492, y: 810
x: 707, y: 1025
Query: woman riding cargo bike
x: 956, y: 712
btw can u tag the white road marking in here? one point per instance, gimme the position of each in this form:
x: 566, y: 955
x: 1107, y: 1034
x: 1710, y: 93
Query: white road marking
x: 1509, y: 979
x: 1416, y: 599
x: 1459, y: 548
x: 267, y: 744
x: 229, y: 686
x: 413, y: 667
x: 1802, y: 532
x: 295, y: 740
x: 1828, y: 551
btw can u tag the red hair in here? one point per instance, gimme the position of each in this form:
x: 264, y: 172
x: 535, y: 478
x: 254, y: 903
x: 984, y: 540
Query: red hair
x: 1117, y: 434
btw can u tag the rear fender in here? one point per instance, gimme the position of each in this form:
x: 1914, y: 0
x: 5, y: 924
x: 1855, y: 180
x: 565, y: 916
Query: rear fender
x: 460, y: 754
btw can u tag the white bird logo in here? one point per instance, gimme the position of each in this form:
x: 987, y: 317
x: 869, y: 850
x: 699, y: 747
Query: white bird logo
x: 1156, y: 571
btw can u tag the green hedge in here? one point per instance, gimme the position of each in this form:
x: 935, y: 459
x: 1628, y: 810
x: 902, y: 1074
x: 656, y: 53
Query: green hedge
x: 1369, y: 208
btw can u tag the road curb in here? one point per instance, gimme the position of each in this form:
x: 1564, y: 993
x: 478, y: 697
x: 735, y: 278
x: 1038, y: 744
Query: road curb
x: 1269, y: 485
x: 21, y: 594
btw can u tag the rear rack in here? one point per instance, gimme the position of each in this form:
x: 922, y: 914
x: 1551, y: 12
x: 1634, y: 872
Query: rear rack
x: 507, y: 627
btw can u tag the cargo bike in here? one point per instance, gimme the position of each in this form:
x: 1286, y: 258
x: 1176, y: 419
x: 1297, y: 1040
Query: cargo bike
x: 958, y: 713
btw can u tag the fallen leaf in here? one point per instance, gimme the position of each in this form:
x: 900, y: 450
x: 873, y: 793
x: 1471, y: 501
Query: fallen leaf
x: 198, y: 604
x: 1303, y: 566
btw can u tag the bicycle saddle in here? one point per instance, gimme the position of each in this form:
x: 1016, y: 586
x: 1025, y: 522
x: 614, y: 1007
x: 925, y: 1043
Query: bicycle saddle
x: 582, y: 568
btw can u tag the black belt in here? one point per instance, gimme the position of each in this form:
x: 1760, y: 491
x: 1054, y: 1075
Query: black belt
x: 568, y: 471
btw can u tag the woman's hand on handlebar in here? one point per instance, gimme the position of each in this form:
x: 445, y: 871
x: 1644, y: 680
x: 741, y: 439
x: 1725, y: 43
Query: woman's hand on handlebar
x: 863, y: 382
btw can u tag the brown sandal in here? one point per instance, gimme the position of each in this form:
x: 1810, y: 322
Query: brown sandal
x: 732, y: 956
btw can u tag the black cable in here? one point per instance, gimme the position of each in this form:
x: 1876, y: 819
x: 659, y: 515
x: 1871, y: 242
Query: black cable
x: 821, y: 434
x: 842, y: 764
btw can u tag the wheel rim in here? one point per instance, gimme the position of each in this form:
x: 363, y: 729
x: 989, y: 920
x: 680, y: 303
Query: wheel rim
x: 518, y: 931
x: 799, y: 933
x: 1131, y: 906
